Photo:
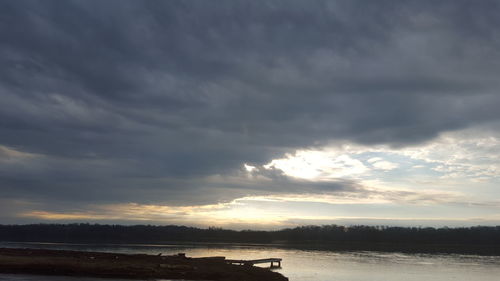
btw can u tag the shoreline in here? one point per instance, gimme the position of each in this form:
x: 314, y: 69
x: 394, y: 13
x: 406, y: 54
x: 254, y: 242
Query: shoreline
x: 409, y: 248
x: 128, y: 266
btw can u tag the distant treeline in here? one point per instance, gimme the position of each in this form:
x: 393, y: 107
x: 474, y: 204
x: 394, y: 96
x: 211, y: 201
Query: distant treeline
x: 479, y: 239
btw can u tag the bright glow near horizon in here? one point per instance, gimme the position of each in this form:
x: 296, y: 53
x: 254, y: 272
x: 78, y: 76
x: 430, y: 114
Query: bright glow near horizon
x: 432, y: 184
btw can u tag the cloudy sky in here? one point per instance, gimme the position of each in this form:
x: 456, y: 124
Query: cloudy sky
x: 250, y: 114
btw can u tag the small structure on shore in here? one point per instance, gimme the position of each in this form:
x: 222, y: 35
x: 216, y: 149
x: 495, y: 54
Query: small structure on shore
x: 253, y: 262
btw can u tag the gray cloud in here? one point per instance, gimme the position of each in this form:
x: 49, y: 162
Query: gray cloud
x: 128, y: 100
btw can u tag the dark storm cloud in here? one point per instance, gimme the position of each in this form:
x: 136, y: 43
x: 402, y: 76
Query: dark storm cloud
x: 141, y: 100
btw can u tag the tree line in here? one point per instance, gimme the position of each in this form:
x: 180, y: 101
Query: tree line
x: 97, y: 233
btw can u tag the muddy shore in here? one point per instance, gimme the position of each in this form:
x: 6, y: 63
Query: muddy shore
x: 136, y: 266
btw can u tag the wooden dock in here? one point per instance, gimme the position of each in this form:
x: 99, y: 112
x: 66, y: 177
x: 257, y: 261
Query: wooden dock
x: 253, y: 262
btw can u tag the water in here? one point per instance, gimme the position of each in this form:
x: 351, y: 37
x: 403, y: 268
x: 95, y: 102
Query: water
x: 311, y: 265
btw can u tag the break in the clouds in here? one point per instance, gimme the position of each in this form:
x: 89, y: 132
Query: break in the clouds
x: 383, y: 108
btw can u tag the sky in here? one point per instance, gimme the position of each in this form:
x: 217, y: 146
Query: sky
x: 250, y: 114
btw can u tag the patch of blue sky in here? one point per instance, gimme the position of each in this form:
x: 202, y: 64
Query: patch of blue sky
x: 404, y: 166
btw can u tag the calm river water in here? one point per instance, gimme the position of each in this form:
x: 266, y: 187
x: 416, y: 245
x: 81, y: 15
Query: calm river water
x: 313, y: 265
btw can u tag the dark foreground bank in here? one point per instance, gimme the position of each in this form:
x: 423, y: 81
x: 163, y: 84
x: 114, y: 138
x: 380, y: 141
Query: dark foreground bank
x: 138, y: 266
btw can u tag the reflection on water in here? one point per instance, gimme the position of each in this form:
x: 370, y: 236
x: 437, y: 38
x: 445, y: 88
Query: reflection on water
x: 313, y: 265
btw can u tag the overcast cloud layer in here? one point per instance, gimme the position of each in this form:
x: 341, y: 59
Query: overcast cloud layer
x: 164, y: 101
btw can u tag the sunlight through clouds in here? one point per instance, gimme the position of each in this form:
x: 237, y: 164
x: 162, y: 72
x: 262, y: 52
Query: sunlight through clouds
x: 463, y: 154
x: 454, y: 175
x: 318, y: 165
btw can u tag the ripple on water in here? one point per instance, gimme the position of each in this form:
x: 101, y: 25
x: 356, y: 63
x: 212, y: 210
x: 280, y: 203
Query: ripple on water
x: 315, y: 265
